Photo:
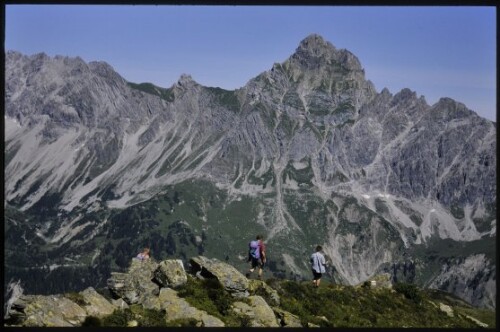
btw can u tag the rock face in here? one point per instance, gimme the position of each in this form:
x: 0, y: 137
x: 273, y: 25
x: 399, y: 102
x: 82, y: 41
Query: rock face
x: 170, y: 273
x: 49, y: 311
x: 230, y: 279
x: 308, y: 150
x: 287, y: 319
x: 259, y: 287
x: 258, y: 312
x: 129, y: 288
x: 95, y: 304
x: 136, y: 285
x: 383, y: 280
x: 465, y: 276
x: 177, y: 308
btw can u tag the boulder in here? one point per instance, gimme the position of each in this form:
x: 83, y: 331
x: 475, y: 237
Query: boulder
x: 46, y: 311
x: 446, y: 309
x: 383, y: 280
x: 230, y: 278
x: 96, y: 304
x: 151, y: 302
x: 133, y: 323
x: 170, y: 273
x: 259, y: 287
x: 257, y: 312
x: 136, y: 285
x: 122, y: 286
x: 287, y: 319
x: 120, y: 304
x: 178, y: 308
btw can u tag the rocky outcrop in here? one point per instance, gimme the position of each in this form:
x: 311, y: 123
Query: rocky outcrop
x: 178, y: 308
x: 170, y: 273
x: 383, y: 280
x: 214, y: 307
x: 48, y: 311
x: 259, y: 287
x: 257, y: 311
x: 136, y: 285
x: 287, y: 319
x: 95, y: 304
x: 230, y: 279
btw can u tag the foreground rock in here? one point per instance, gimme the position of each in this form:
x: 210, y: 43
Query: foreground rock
x: 259, y: 287
x: 95, y: 304
x: 136, y: 285
x: 258, y: 312
x: 287, y: 319
x: 231, y: 279
x: 170, y: 273
x: 46, y: 311
x: 178, y: 308
x: 383, y: 280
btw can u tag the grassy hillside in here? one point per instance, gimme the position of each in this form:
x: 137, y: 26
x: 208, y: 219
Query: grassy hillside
x: 327, y: 306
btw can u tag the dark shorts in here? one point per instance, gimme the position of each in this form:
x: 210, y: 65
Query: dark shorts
x: 256, y: 262
x: 316, y: 275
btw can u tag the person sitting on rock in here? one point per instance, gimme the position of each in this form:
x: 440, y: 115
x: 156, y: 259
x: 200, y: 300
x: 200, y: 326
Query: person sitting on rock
x: 144, y: 255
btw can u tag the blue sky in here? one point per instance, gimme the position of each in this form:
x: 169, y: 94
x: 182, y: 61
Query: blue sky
x: 435, y: 51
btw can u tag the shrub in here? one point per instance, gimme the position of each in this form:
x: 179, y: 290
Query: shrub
x: 148, y: 317
x: 118, y: 318
x: 207, y: 295
x: 183, y: 322
x: 91, y: 321
x: 410, y: 291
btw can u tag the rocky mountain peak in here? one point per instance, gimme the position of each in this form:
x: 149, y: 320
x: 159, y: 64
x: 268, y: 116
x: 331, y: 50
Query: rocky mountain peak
x: 314, y: 52
x: 404, y: 94
x: 102, y: 68
x: 185, y: 83
x: 185, y: 79
x: 315, y: 45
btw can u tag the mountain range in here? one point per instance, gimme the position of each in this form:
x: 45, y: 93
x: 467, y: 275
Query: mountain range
x: 306, y: 153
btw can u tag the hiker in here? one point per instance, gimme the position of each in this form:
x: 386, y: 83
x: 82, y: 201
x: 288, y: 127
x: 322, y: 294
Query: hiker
x: 256, y: 255
x: 144, y: 255
x: 318, y: 264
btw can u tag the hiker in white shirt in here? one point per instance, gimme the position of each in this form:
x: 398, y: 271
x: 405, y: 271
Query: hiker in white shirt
x: 318, y: 264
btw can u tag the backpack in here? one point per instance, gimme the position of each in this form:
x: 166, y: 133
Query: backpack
x: 254, y: 249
